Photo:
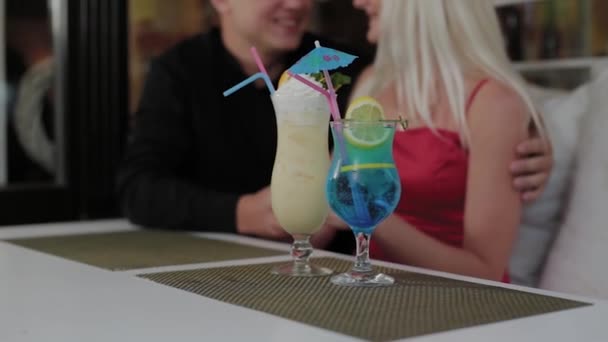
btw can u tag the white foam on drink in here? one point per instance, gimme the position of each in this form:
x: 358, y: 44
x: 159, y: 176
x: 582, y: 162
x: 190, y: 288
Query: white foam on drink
x: 299, y: 104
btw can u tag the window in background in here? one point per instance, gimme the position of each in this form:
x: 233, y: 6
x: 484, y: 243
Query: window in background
x: 29, y: 123
x: 3, y: 99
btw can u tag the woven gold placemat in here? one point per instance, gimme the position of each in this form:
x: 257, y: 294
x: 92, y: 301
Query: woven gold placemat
x: 141, y: 249
x: 418, y: 304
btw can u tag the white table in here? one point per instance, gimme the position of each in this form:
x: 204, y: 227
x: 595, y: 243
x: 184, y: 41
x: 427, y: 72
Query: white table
x: 46, y: 298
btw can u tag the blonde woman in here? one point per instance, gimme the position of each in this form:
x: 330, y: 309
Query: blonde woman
x: 442, y: 64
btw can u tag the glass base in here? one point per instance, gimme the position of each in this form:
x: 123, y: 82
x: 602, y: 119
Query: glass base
x: 357, y: 279
x: 294, y: 269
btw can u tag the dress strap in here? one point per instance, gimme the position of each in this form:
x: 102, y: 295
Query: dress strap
x: 475, y: 91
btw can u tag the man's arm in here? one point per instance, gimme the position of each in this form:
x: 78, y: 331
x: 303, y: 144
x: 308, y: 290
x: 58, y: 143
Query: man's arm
x: 152, y: 188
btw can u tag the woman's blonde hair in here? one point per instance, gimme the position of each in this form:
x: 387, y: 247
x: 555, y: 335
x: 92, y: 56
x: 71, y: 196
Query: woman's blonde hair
x: 426, y: 44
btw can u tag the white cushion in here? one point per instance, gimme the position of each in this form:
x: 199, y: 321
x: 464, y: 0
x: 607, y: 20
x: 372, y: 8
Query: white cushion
x: 577, y: 261
x: 541, y: 219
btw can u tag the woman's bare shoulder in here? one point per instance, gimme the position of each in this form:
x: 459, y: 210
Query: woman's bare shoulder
x: 366, y: 74
x: 498, y: 101
x: 498, y: 110
x: 363, y: 78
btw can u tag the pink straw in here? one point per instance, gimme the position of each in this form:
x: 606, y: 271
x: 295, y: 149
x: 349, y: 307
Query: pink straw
x: 262, y: 69
x: 258, y: 60
x: 331, y: 97
x: 309, y: 83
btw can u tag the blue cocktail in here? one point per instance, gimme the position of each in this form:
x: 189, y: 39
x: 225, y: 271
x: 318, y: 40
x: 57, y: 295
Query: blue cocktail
x: 363, y: 189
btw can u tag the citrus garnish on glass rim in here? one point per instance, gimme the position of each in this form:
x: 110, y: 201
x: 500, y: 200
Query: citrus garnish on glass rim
x: 365, y: 109
x: 284, y: 78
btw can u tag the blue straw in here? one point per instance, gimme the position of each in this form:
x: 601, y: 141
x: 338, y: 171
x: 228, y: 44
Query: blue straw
x: 251, y: 79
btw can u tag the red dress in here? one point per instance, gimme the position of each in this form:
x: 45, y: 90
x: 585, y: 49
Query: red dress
x: 433, y: 172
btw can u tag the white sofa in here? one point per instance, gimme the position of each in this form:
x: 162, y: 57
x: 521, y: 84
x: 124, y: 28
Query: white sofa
x: 563, y: 240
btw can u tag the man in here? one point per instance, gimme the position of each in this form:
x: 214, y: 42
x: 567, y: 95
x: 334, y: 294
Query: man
x: 199, y: 160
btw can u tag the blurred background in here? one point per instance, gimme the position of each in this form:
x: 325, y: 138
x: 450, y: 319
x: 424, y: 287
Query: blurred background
x: 71, y: 72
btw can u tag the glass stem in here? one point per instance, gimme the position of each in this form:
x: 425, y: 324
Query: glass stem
x: 301, y: 250
x: 362, y: 264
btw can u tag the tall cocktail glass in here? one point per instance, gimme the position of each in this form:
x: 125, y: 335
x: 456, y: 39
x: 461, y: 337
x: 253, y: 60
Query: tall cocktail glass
x: 299, y: 173
x: 363, y: 189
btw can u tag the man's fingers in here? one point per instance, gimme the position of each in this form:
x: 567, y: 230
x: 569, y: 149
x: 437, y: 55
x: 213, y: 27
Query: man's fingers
x: 532, y: 147
x: 531, y: 196
x: 530, y: 183
x: 335, y: 221
x: 278, y: 233
x: 540, y: 164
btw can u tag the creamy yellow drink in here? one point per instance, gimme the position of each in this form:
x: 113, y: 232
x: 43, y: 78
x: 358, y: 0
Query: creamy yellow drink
x: 302, y: 158
x: 298, y: 177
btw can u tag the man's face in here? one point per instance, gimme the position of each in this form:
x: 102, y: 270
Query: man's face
x: 275, y: 25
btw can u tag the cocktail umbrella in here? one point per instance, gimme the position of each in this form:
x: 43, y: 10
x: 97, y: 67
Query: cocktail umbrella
x: 322, y: 59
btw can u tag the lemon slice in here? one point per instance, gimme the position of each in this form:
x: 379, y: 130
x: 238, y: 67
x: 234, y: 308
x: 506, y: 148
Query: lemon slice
x: 365, y: 109
x: 284, y: 78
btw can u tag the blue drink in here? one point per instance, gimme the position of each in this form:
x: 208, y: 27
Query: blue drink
x: 363, y: 189
x: 378, y: 188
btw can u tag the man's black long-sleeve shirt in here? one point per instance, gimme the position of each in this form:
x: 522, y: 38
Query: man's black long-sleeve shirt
x: 194, y: 152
